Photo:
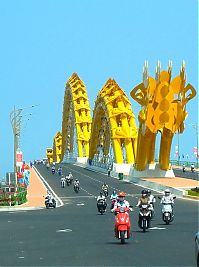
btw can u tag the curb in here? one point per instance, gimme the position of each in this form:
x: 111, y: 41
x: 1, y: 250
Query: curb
x: 46, y: 184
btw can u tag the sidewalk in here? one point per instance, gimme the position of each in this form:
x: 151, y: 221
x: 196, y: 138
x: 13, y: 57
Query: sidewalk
x: 36, y: 191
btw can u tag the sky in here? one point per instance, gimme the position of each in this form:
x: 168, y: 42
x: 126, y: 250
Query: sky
x: 44, y: 42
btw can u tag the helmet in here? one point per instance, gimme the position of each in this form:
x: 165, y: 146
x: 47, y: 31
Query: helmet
x: 121, y: 194
x: 76, y: 180
x: 144, y: 192
x: 149, y: 192
x: 167, y: 192
x: 114, y: 192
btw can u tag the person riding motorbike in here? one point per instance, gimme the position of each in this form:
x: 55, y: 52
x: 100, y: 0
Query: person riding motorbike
x: 53, y: 169
x: 105, y: 189
x: 144, y: 199
x: 60, y: 171
x: 48, y: 165
x: 63, y: 180
x: 100, y: 198
x: 121, y: 202
x: 114, y: 195
x: 192, y: 167
x: 167, y: 198
x: 183, y: 167
x: 76, y: 183
x: 152, y: 200
x: 70, y: 176
x: 49, y: 197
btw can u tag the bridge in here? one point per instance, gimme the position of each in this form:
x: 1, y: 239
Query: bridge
x: 111, y: 135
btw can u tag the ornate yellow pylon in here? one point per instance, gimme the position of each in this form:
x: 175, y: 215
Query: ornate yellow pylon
x: 76, y: 116
x: 113, y: 122
x: 163, y: 109
x: 57, y: 147
x: 49, y: 155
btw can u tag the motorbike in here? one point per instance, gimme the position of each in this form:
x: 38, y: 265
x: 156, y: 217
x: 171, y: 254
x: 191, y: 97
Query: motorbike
x: 144, y: 217
x: 101, y: 205
x: 63, y: 182
x: 151, y: 208
x: 68, y: 180
x: 50, y: 203
x: 183, y: 169
x: 192, y: 169
x: 53, y: 171
x: 76, y: 188
x: 167, y: 212
x: 59, y: 172
x: 122, y: 224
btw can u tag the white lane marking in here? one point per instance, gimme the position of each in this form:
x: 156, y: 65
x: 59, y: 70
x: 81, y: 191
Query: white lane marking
x: 64, y: 231
x: 64, y: 198
x: 48, y: 186
x: 80, y: 204
x: 21, y: 257
x: 9, y: 221
x: 157, y: 228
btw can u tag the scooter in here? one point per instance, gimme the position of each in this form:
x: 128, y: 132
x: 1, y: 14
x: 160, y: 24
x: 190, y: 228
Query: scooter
x: 63, y: 182
x: 76, y: 188
x: 101, y: 206
x: 68, y: 181
x: 122, y: 224
x: 167, y: 211
x: 50, y: 203
x: 192, y: 169
x: 183, y: 169
x: 144, y: 217
x: 53, y: 171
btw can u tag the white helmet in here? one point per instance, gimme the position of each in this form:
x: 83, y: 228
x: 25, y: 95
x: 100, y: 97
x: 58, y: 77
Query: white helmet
x: 167, y: 192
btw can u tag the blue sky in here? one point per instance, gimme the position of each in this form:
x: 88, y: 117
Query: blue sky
x: 44, y: 42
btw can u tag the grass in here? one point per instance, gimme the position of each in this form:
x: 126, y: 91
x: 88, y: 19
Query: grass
x: 194, y: 192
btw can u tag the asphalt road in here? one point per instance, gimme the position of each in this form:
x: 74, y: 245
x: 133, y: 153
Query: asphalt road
x: 187, y: 174
x: 76, y: 235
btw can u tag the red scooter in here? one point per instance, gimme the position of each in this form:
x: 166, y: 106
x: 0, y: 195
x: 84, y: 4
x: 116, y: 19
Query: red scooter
x: 122, y: 224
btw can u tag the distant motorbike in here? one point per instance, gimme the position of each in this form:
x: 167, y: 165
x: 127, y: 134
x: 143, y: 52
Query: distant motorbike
x: 183, y: 168
x: 68, y: 180
x: 144, y: 217
x: 192, y: 168
x: 63, y: 182
x: 76, y: 188
x: 53, y: 171
x: 50, y: 203
x: 101, y: 206
x: 167, y: 211
x: 122, y: 224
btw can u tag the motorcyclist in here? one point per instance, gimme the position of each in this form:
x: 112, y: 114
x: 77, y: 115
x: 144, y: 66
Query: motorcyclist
x: 144, y: 199
x: 152, y: 200
x: 168, y: 198
x: 76, y: 183
x: 101, y: 197
x: 53, y: 169
x: 183, y: 167
x: 47, y: 165
x: 60, y: 171
x: 105, y: 187
x: 63, y: 179
x: 192, y: 167
x: 70, y: 176
x: 121, y: 202
x: 49, y: 197
x: 114, y: 195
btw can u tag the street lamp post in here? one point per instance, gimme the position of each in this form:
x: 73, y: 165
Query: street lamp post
x: 15, y: 119
x: 195, y: 126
